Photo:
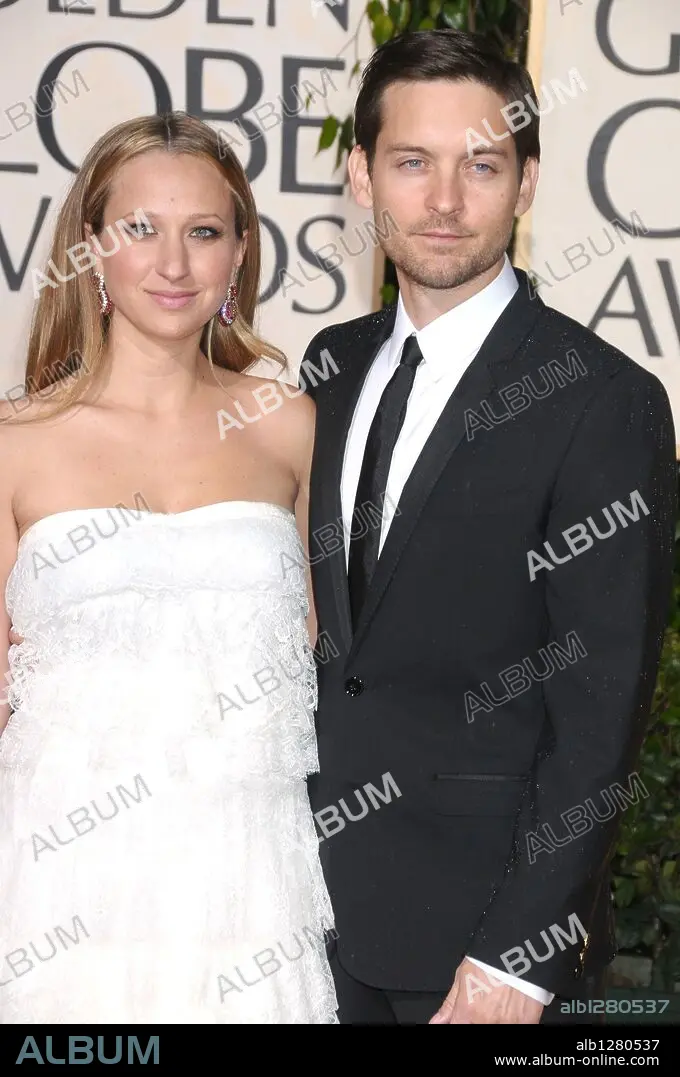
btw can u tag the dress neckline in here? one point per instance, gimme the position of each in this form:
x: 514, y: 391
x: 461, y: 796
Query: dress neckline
x: 161, y: 515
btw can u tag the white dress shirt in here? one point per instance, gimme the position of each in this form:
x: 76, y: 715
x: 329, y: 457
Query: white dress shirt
x: 449, y: 344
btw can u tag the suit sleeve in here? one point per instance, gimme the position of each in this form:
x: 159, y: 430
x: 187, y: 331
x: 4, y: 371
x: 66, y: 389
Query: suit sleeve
x: 539, y: 994
x: 611, y: 599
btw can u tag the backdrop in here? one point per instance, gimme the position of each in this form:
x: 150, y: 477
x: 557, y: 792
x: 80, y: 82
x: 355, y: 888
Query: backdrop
x: 602, y: 240
x: 603, y: 237
x: 249, y: 68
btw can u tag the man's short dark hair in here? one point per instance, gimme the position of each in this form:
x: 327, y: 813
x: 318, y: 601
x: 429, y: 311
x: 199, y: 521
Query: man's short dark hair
x: 424, y: 55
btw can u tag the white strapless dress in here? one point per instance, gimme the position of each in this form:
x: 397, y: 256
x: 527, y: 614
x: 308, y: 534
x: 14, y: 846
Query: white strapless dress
x: 158, y: 857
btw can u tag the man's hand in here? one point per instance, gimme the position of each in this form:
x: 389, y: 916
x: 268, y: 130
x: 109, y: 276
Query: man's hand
x: 476, y: 998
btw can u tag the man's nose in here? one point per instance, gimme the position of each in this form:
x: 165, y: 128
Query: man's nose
x: 445, y: 193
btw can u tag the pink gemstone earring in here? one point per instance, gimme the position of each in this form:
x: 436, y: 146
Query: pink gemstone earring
x: 227, y: 311
x: 105, y: 304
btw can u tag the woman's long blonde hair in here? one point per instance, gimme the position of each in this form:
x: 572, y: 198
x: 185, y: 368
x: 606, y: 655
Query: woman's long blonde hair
x: 68, y: 332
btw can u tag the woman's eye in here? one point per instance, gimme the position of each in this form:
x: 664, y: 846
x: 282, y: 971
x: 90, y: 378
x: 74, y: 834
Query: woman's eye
x: 140, y: 229
x: 205, y: 232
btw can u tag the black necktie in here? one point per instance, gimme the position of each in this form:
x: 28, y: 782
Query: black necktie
x: 382, y: 438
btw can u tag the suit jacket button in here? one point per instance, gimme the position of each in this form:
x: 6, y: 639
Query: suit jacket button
x: 354, y: 686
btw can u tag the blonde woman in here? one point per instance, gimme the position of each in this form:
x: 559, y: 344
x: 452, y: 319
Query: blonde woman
x: 158, y: 859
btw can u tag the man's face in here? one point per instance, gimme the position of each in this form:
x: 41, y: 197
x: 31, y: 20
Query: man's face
x: 454, y: 201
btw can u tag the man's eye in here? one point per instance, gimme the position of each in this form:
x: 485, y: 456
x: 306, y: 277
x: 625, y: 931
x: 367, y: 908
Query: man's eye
x: 484, y: 165
x: 411, y: 161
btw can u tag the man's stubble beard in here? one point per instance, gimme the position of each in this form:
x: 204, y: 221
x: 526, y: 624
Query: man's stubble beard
x: 440, y: 272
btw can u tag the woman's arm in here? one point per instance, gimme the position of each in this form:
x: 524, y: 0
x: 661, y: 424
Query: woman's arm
x: 287, y: 435
x: 307, y: 419
x: 9, y: 540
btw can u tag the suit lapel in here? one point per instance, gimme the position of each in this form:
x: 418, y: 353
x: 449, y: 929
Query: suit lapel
x: 337, y: 419
x: 449, y: 433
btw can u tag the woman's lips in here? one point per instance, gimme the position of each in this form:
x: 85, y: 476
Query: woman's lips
x: 173, y: 300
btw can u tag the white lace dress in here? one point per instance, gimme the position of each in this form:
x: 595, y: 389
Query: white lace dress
x: 158, y: 858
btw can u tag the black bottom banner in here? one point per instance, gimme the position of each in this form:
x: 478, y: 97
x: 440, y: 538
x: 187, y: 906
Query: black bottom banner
x: 507, y: 1047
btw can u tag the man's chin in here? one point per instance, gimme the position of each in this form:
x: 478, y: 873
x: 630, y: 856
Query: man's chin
x: 440, y: 274
x: 441, y: 278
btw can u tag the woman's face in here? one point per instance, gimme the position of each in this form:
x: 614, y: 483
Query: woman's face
x: 171, y: 271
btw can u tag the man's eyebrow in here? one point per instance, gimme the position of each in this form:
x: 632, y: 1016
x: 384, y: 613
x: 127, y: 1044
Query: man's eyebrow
x: 479, y: 149
x: 486, y: 148
x: 402, y: 147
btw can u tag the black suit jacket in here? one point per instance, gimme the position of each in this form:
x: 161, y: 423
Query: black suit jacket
x: 498, y: 705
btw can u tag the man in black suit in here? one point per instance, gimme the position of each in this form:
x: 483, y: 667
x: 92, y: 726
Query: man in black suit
x: 491, y: 537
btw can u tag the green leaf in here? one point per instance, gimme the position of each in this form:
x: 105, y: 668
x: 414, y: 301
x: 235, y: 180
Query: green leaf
x: 641, y: 867
x: 404, y: 16
x: 427, y: 23
x: 495, y: 9
x: 347, y: 133
x: 374, y: 9
x: 345, y: 140
x: 455, y: 14
x: 388, y: 294
x: 383, y: 29
x: 650, y: 934
x: 625, y: 892
x: 328, y: 133
x: 670, y: 914
x: 435, y: 7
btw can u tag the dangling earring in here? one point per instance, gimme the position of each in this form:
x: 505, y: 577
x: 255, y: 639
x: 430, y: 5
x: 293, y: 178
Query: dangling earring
x: 105, y: 304
x: 227, y: 311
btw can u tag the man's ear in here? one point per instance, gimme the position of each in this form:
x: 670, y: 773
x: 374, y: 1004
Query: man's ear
x: 527, y: 187
x: 360, y: 181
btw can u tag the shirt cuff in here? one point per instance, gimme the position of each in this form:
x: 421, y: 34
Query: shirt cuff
x: 537, y: 993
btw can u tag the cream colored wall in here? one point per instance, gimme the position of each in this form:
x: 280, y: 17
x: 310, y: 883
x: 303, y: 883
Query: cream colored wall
x: 103, y: 86
x: 641, y: 170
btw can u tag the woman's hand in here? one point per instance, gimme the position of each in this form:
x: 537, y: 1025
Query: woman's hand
x: 14, y: 637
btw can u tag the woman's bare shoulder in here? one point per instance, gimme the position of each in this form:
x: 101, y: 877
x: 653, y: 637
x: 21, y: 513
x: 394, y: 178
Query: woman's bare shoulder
x: 293, y: 411
x: 20, y: 433
x: 283, y: 401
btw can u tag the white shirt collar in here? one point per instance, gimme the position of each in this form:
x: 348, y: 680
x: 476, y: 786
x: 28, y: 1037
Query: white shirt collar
x: 458, y: 333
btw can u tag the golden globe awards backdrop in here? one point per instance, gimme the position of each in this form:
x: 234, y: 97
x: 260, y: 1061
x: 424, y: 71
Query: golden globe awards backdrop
x: 601, y: 241
x: 265, y: 73
x: 603, y: 237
